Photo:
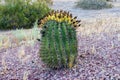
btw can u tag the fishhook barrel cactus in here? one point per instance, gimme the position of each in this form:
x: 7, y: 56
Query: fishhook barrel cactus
x: 59, y: 42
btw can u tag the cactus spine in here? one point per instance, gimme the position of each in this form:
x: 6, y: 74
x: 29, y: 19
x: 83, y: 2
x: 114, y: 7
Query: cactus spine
x: 59, y: 42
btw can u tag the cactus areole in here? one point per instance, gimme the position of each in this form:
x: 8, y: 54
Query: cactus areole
x: 59, y: 42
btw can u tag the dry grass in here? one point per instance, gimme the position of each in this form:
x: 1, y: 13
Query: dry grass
x: 25, y: 76
x: 4, y: 64
x: 96, y: 26
x: 16, y: 38
x: 88, y: 27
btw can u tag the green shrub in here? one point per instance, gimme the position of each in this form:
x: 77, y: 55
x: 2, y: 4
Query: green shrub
x: 21, y: 14
x: 111, y: 0
x: 58, y: 41
x: 93, y: 4
x: 49, y: 2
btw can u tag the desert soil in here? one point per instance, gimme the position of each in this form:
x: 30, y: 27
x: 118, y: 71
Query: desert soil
x: 98, y: 50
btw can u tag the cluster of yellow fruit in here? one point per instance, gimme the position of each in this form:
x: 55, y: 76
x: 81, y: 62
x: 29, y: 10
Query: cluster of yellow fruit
x: 60, y: 16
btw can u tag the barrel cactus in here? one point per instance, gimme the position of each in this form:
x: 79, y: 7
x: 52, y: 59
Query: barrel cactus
x: 59, y: 42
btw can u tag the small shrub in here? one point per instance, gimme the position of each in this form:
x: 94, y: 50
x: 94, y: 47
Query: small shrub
x: 111, y: 0
x: 21, y: 13
x: 58, y: 41
x: 49, y: 2
x: 93, y: 4
x: 31, y: 35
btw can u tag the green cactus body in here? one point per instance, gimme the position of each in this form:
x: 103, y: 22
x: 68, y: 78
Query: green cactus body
x: 58, y: 44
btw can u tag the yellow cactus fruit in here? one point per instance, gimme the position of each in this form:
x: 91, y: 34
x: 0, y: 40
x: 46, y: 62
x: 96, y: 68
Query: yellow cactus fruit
x: 60, y: 16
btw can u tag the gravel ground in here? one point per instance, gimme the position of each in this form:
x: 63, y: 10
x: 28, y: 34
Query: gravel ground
x: 98, y: 58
